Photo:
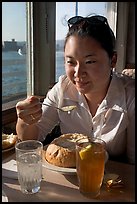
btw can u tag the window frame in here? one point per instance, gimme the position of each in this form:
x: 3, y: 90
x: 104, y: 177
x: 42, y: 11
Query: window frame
x: 40, y: 59
x: 41, y: 47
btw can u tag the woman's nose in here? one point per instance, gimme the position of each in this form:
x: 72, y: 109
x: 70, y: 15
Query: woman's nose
x: 79, y: 70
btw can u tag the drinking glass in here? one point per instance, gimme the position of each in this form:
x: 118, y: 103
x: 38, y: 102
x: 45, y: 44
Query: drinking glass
x: 29, y: 165
x: 90, y: 164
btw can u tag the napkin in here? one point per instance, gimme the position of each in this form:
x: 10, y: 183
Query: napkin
x: 9, y: 169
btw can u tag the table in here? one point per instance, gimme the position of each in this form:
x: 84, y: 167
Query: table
x: 56, y: 187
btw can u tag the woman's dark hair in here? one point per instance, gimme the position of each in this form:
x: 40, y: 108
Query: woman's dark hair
x: 96, y: 27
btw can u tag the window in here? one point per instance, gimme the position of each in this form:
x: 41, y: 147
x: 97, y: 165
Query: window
x: 14, y: 77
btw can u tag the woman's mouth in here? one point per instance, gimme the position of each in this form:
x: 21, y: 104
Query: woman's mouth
x: 81, y: 84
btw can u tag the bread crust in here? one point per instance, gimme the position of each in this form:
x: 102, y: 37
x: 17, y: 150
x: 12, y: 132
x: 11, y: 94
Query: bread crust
x: 61, y: 151
x: 8, y: 140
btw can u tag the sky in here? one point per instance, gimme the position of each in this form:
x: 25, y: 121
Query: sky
x: 14, y: 17
x: 67, y: 9
x: 13, y: 21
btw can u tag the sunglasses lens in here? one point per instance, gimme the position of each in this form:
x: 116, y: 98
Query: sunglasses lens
x: 99, y: 18
x: 74, y: 20
x: 92, y: 19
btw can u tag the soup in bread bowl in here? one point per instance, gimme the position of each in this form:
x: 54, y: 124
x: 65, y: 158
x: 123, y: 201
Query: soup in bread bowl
x: 61, y: 151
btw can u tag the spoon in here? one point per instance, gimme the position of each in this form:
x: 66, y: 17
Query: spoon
x: 64, y: 109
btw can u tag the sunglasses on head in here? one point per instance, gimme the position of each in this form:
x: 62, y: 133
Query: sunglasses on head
x: 93, y: 20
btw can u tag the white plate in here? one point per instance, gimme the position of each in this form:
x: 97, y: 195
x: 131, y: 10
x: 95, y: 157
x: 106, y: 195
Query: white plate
x: 69, y: 171
x: 8, y: 149
x: 4, y: 197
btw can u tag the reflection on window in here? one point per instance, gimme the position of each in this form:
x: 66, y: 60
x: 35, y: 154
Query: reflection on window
x: 14, y: 79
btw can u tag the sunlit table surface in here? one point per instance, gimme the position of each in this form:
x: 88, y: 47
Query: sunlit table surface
x: 57, y: 187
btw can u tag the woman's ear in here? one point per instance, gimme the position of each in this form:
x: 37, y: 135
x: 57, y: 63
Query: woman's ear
x: 114, y: 60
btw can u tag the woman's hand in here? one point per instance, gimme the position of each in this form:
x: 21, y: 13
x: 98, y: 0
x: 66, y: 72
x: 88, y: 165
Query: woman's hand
x: 29, y: 110
x: 129, y: 72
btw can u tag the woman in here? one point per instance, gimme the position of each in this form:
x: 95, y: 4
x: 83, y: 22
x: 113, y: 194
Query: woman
x: 105, y: 101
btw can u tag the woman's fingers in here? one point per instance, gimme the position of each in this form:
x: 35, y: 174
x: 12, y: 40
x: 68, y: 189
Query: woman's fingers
x: 28, y: 102
x: 29, y: 110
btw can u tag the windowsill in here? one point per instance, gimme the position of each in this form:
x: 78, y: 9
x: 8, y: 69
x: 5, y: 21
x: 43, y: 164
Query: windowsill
x: 9, y: 112
x: 10, y: 105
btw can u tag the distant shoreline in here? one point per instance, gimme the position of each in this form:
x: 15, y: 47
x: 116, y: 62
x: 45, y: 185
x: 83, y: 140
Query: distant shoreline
x: 13, y: 45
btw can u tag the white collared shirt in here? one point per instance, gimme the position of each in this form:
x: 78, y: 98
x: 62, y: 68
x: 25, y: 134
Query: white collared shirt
x: 115, y: 115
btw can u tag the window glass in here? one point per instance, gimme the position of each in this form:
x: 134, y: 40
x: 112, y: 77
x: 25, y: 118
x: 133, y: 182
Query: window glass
x: 63, y: 13
x: 14, y: 80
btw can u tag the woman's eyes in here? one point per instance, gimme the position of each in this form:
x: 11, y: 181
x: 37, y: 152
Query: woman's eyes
x: 69, y: 62
x: 90, y: 61
x: 86, y: 62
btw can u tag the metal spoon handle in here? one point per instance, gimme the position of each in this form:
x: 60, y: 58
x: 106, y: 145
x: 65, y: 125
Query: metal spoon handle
x: 53, y: 107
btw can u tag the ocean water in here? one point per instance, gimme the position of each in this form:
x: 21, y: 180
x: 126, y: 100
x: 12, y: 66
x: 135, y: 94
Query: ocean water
x: 14, y: 73
x: 60, y: 69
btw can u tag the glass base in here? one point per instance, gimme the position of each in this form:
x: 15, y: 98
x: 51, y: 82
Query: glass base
x: 30, y: 191
x: 90, y: 194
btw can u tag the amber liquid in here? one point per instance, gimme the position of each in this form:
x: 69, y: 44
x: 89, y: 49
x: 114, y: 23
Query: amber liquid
x: 90, y: 171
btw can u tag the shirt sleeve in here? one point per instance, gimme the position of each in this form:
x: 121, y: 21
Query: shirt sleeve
x: 50, y: 117
x: 130, y: 93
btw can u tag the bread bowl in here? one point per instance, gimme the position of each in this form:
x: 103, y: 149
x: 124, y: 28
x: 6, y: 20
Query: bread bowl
x: 61, y: 151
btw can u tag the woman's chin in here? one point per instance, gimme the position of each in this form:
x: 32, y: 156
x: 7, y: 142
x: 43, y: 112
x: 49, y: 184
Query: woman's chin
x: 82, y: 90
